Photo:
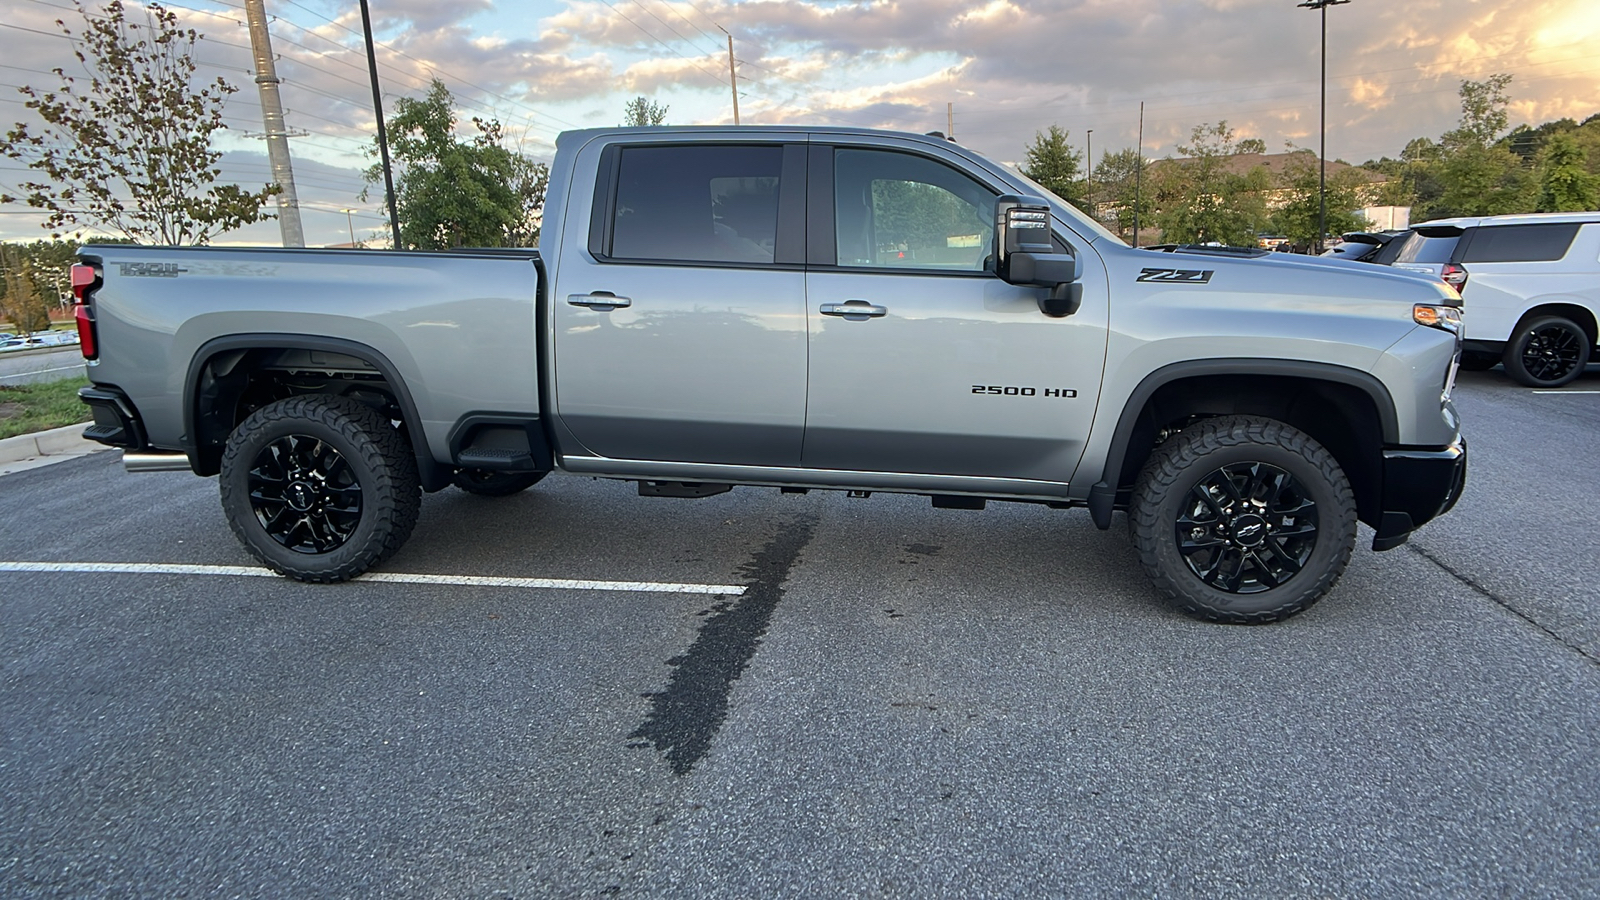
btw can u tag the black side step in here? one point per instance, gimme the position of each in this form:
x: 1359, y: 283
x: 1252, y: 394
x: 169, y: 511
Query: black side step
x: 496, y: 459
x: 689, y: 490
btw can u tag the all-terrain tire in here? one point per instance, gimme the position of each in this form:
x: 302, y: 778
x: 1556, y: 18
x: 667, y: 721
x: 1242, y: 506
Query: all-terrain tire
x: 1547, y: 352
x: 486, y: 483
x: 1279, y: 483
x: 344, y: 462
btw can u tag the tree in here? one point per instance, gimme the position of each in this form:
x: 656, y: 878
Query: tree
x: 1479, y: 177
x: 1201, y: 197
x: 1120, y: 191
x: 455, y: 193
x: 131, y: 149
x: 1301, y: 182
x: 641, y: 112
x: 23, y: 304
x: 1053, y: 162
x: 1565, y: 184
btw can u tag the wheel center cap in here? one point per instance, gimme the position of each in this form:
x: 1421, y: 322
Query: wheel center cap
x: 1249, y: 530
x: 300, y: 496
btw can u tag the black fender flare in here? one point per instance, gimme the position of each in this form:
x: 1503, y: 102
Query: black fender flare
x: 1102, y: 495
x: 432, y: 474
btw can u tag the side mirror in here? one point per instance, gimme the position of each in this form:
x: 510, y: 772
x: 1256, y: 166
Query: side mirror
x: 1024, y: 254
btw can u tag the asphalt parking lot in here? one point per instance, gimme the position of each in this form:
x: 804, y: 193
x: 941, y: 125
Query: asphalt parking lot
x: 805, y: 695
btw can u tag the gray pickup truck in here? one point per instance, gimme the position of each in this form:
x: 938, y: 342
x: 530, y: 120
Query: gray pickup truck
x: 796, y: 309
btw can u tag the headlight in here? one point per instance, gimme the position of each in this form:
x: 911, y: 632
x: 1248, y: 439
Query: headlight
x: 1447, y: 318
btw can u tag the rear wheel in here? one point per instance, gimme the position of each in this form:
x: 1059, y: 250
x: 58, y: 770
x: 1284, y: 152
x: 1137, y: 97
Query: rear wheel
x: 486, y: 483
x: 1547, y: 352
x: 319, y: 488
x: 1243, y: 520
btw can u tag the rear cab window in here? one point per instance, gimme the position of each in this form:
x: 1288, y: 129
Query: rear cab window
x: 703, y: 203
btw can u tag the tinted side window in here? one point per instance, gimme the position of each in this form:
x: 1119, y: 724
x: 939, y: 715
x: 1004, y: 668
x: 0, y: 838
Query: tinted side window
x: 898, y: 210
x: 1387, y: 253
x: 697, y: 203
x: 1421, y: 249
x: 1520, y: 243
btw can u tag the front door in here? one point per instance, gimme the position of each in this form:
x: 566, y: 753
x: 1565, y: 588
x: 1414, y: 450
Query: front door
x: 679, y: 330
x: 922, y: 360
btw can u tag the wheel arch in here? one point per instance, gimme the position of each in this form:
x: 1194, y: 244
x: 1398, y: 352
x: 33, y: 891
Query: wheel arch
x: 205, y: 455
x: 1347, y: 410
x: 1566, y: 309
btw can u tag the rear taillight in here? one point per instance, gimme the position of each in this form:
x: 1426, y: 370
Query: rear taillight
x: 85, y: 278
x: 1455, y: 276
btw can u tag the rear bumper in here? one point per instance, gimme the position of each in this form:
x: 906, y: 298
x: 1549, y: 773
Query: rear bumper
x: 116, y: 420
x: 1418, y: 486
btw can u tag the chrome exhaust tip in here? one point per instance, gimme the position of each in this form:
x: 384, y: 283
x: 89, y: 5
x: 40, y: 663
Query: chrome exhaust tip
x: 155, y: 462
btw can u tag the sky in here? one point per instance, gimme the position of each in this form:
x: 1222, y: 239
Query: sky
x: 1006, y: 69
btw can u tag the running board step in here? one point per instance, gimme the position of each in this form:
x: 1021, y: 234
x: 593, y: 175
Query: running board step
x: 689, y: 490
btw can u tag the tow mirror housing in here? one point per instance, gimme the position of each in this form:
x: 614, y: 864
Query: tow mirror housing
x: 1024, y: 254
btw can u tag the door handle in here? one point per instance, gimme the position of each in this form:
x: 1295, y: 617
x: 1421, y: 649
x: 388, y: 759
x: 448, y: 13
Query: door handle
x: 855, y: 310
x: 602, y: 301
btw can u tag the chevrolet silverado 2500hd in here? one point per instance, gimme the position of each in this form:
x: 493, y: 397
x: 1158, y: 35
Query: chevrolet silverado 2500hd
x: 798, y: 309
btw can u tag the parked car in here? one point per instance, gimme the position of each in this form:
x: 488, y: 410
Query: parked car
x: 1363, y: 246
x: 711, y: 307
x: 1529, y: 284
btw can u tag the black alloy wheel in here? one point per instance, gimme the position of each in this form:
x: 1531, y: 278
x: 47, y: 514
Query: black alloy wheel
x: 319, y: 488
x: 1243, y: 520
x: 1246, y: 528
x: 304, y: 494
x: 1547, y: 352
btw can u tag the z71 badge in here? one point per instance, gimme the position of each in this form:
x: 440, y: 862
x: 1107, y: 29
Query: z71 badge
x: 1181, y: 276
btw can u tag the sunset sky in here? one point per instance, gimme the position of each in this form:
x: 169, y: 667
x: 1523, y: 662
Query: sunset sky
x: 1010, y: 69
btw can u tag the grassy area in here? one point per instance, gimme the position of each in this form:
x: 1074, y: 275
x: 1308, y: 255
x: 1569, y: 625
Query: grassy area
x: 26, y: 408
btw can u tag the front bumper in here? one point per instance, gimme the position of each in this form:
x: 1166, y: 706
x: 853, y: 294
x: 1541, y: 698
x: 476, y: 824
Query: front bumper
x: 1418, y: 485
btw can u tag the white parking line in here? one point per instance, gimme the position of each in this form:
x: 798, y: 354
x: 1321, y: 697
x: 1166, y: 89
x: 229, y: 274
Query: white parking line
x: 1567, y: 392
x: 41, y: 371
x: 565, y: 584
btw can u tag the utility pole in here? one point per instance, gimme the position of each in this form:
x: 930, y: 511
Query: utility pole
x: 1088, y: 136
x: 1138, y: 177
x: 1322, y: 152
x: 352, y: 223
x: 277, y: 134
x: 733, y: 77
x: 950, y: 120
x: 383, y: 135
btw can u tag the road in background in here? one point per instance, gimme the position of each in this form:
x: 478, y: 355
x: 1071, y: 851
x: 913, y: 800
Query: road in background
x: 29, y: 366
x: 903, y: 702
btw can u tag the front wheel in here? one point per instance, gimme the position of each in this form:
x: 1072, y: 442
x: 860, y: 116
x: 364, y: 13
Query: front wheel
x: 1243, y: 520
x: 1547, y: 352
x: 319, y: 488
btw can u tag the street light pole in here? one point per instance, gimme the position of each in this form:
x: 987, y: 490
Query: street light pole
x: 1088, y: 137
x: 1322, y: 152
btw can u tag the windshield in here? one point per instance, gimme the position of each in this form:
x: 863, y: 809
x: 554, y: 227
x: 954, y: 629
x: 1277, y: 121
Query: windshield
x: 1065, y: 210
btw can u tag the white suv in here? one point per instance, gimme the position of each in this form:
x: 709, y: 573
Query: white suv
x: 1530, y: 289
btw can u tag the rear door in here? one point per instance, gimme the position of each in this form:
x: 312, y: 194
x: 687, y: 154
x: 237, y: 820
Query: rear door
x: 922, y: 360
x: 679, y: 325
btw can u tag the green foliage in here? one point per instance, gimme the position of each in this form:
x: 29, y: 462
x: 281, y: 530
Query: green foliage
x: 1202, y: 199
x: 23, y: 305
x: 27, y: 408
x: 640, y: 112
x: 1119, y: 193
x: 1300, y: 183
x: 1565, y: 184
x: 454, y: 193
x: 1052, y: 162
x: 131, y: 148
x: 920, y: 218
